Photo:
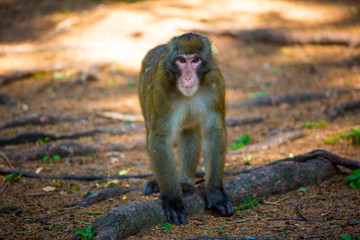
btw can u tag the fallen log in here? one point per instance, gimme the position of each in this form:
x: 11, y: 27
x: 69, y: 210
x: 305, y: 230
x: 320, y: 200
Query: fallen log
x: 347, y: 106
x: 284, y: 37
x: 33, y: 136
x: 280, y: 177
x: 290, y: 99
x: 69, y: 148
x: 37, y: 119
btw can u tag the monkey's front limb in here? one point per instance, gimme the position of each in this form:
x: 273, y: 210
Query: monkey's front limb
x: 167, y: 178
x: 214, y: 153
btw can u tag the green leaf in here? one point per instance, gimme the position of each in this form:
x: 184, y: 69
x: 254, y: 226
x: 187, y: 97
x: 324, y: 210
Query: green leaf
x: 252, y: 202
x: 321, y: 124
x: 355, y: 184
x: 257, y: 95
x: 74, y: 188
x: 9, y: 176
x: 332, y: 140
x: 356, y: 172
x: 304, y: 189
x: 59, y: 76
x: 37, y: 75
x: 56, y: 157
x: 131, y: 85
x: 345, y: 236
x: 110, y: 83
x: 14, y: 177
x: 94, y: 213
x: 240, y: 142
x: 353, y: 136
x: 277, y: 71
x: 351, y: 178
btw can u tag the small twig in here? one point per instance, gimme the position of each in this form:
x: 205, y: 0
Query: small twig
x: 4, y: 187
x: 7, y: 159
x: 298, y: 208
x: 285, y: 219
x: 101, y: 196
x: 276, y: 202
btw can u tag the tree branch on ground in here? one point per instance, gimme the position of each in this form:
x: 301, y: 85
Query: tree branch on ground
x: 38, y: 119
x: 28, y: 137
x: 284, y: 37
x: 69, y: 148
x: 291, y: 99
x: 84, y: 177
x: 101, y: 196
x: 280, y: 177
x: 232, y: 122
x: 339, y: 110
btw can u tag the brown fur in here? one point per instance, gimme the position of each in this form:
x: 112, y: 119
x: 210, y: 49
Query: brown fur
x: 197, y: 121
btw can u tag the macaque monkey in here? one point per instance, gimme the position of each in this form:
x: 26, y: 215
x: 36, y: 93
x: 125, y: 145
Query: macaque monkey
x: 182, y: 96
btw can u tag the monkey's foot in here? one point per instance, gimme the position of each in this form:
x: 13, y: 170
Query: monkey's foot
x: 150, y: 187
x: 187, y: 189
x: 218, y: 200
x: 174, y: 210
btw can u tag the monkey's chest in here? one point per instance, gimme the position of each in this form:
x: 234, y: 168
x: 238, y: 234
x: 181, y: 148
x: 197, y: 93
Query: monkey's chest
x: 190, y: 114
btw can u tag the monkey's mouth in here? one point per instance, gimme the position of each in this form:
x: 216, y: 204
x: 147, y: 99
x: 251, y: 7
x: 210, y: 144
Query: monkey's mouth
x: 188, y: 90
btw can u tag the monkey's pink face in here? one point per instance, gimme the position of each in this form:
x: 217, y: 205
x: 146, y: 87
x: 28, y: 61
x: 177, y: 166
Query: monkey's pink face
x: 188, y: 83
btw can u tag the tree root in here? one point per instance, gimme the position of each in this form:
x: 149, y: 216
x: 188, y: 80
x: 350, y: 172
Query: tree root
x: 340, y: 109
x: 101, y: 196
x: 279, y: 177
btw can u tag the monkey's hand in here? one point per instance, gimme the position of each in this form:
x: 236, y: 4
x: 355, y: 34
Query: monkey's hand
x: 174, y: 210
x: 218, y: 200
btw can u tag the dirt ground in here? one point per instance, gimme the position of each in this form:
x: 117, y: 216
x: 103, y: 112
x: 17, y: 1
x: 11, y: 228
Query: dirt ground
x: 79, y: 35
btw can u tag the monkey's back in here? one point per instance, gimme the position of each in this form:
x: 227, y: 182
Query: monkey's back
x: 152, y: 70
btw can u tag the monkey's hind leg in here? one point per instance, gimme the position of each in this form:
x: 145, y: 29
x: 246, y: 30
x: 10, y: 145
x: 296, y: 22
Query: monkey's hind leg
x: 189, y: 150
x: 151, y: 187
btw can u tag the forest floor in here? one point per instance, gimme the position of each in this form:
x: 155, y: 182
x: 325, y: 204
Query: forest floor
x: 109, y: 39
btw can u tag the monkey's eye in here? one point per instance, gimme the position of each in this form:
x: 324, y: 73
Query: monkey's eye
x: 182, y: 60
x: 195, y: 60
